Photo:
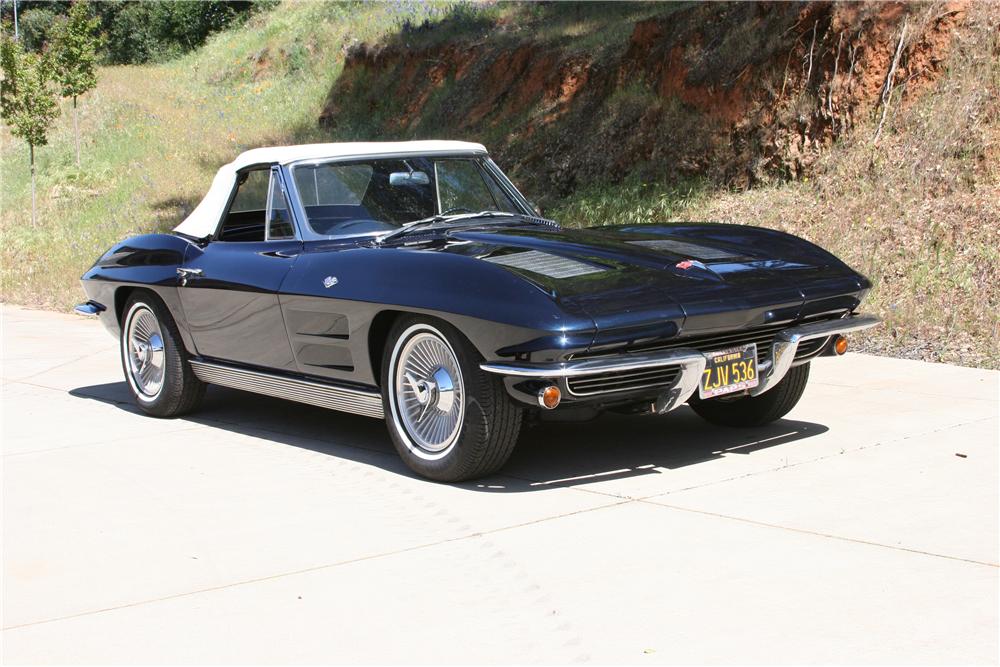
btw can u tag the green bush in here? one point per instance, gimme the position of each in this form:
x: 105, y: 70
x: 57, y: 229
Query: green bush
x: 136, y: 31
x: 34, y: 27
x: 139, y: 32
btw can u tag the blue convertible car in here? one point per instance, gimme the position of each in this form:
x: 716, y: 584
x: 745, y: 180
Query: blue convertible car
x: 413, y: 282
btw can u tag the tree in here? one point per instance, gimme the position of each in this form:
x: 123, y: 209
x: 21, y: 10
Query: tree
x: 74, y: 52
x: 27, y: 101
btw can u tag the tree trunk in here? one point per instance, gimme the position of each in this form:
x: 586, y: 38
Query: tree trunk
x: 76, y: 133
x: 31, y: 150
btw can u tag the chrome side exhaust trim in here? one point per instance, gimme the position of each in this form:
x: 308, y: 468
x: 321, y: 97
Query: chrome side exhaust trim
x: 343, y: 399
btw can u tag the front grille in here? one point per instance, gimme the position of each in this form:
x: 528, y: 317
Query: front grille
x: 810, y: 348
x: 763, y: 337
x: 602, y: 383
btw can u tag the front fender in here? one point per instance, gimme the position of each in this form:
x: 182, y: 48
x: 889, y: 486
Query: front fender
x: 501, y: 313
x: 150, y: 262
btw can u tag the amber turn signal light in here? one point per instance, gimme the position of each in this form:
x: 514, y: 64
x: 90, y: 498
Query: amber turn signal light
x: 840, y: 344
x: 549, y: 397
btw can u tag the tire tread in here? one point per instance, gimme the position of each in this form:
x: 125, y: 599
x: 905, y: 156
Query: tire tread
x: 488, y: 438
x: 756, y: 410
x: 182, y: 390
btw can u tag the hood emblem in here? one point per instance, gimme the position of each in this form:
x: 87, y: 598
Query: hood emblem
x: 330, y: 281
x: 688, y: 263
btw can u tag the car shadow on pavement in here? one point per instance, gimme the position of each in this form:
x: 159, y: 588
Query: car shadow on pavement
x: 548, y: 455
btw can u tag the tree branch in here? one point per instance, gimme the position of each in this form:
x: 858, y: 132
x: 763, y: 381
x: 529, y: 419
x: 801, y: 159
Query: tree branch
x: 889, y: 79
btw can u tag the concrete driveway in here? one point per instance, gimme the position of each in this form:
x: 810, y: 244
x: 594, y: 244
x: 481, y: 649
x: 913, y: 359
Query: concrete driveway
x: 862, y: 529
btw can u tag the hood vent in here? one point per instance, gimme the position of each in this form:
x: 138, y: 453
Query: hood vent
x: 545, y: 264
x: 685, y: 249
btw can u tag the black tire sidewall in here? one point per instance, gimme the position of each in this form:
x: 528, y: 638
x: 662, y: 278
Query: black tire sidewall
x: 180, y: 390
x: 465, y: 454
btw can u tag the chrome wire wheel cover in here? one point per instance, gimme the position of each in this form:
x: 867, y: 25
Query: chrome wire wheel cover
x: 142, y: 348
x: 428, y: 397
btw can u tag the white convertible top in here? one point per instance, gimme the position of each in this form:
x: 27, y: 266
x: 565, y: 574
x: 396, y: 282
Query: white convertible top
x: 204, y: 219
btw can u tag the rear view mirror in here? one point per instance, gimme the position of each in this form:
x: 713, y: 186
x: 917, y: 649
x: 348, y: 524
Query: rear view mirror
x: 398, y: 178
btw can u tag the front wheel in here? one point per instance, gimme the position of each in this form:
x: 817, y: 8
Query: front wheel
x: 755, y: 410
x: 449, y: 420
x: 154, y: 360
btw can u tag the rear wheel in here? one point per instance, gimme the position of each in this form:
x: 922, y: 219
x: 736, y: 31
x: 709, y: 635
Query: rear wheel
x: 755, y: 410
x: 154, y: 359
x: 449, y: 420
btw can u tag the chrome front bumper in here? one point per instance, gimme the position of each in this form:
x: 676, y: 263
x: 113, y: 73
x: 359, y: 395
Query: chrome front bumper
x: 690, y: 362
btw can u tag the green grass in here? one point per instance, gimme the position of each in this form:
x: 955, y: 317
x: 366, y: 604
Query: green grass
x: 633, y: 202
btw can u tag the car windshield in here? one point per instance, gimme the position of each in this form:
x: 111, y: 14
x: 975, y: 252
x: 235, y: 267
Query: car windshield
x: 380, y: 195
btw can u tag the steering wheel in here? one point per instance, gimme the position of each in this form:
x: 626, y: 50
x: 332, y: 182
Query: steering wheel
x: 456, y: 209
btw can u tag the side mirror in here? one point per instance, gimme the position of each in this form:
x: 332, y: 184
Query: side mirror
x: 536, y: 208
x: 398, y: 178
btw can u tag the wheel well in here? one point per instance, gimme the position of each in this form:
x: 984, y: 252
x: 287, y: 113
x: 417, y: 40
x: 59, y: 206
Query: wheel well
x: 378, y: 332
x: 121, y: 298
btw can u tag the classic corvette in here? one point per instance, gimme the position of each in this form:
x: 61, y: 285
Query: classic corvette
x: 412, y: 282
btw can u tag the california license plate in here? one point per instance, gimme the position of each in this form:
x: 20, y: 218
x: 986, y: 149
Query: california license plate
x: 728, y: 371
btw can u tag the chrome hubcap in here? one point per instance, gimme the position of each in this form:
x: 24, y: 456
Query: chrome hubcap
x: 144, y: 353
x: 429, y: 393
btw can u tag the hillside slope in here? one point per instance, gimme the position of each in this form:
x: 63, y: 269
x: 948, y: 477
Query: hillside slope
x: 569, y: 95
x: 756, y: 114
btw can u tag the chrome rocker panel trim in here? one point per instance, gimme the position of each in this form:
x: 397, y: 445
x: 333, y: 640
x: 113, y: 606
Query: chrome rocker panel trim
x: 691, y: 362
x: 343, y: 399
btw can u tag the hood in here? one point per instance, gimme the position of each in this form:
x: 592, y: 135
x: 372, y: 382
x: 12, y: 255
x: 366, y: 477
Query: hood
x: 661, y: 280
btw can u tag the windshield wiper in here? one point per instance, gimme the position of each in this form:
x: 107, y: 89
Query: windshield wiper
x: 434, y: 219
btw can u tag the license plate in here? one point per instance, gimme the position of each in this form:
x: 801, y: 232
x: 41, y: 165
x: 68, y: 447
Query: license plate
x: 729, y: 370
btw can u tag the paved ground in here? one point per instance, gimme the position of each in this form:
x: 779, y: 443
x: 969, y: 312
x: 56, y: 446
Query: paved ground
x: 863, y: 529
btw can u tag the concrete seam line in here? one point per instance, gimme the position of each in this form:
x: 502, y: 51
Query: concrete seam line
x: 906, y: 391
x: 100, y: 442
x: 60, y: 365
x: 611, y: 494
x: 815, y: 460
x: 805, y: 531
x: 109, y: 401
x: 250, y: 431
x: 262, y: 432
x: 316, y: 568
x: 209, y: 421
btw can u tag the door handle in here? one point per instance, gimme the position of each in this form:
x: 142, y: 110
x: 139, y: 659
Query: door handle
x: 187, y: 273
x: 284, y: 254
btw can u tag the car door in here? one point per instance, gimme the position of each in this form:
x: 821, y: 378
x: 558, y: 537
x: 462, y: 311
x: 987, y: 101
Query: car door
x: 229, y: 286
